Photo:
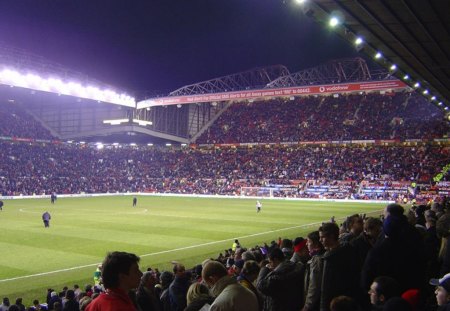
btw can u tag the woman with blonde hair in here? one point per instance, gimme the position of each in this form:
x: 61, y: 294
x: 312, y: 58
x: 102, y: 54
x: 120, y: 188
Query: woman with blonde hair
x: 198, y: 296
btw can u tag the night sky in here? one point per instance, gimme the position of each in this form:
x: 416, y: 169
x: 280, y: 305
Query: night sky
x: 161, y: 45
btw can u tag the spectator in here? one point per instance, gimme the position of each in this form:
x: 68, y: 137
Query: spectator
x: 367, y: 239
x: 146, y: 297
x: 53, y: 299
x: 179, y: 287
x: 281, y: 283
x: 340, y: 273
x: 229, y: 295
x: 301, y: 253
x: 313, y: 273
x: 37, y: 306
x: 166, y: 279
x: 399, y: 255
x: 120, y: 274
x: 248, y: 277
x: 20, y: 304
x: 71, y: 304
x: 442, y: 291
x: 5, y: 304
x: 355, y: 228
x: 84, y: 302
x: 382, y: 289
x: 197, y: 297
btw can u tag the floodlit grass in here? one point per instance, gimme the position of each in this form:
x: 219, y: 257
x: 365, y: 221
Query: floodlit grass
x: 159, y: 229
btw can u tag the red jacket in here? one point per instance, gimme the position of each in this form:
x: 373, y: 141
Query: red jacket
x: 114, y: 299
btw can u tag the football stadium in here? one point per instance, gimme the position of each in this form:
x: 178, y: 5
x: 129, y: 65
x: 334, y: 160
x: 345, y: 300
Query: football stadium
x: 323, y: 187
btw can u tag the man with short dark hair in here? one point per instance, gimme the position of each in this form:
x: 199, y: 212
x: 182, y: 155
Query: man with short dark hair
x: 355, y: 227
x: 393, y: 209
x: 382, y: 289
x: 313, y: 272
x: 281, y: 282
x: 146, y: 296
x: 340, y: 273
x: 120, y: 274
x: 20, y: 304
x: 179, y: 288
x: 5, y: 305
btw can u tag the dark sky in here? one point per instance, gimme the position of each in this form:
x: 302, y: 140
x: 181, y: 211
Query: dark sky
x: 160, y: 45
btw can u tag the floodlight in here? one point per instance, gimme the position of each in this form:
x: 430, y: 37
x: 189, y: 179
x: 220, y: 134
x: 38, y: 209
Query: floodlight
x: 150, y: 144
x: 446, y: 108
x: 417, y: 84
x: 300, y: 1
x: 378, y: 55
x: 425, y: 92
x: 142, y: 122
x: 33, y: 80
x: 433, y: 97
x: 115, y: 122
x: 406, y: 77
x: 334, y: 21
x: 393, y: 67
x: 132, y: 144
x: 168, y: 145
x: 440, y: 103
x: 358, y: 40
x: 100, y: 146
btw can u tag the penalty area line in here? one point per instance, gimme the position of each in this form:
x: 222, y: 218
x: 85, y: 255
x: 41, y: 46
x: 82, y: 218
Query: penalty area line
x: 170, y: 250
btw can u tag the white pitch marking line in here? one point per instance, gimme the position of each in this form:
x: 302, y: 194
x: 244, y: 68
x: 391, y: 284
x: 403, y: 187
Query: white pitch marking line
x: 171, y: 250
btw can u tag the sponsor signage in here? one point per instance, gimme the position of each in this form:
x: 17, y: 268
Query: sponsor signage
x: 269, y: 93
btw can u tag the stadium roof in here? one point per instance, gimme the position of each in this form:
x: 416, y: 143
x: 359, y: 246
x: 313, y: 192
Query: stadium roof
x: 413, y: 35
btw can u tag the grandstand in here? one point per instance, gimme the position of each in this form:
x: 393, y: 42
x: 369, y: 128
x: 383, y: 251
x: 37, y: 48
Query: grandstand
x: 301, y: 137
x: 339, y: 131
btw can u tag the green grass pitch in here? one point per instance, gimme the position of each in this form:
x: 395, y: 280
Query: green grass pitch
x: 159, y: 229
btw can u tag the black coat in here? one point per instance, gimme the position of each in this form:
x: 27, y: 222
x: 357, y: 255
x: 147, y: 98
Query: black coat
x: 177, y: 293
x: 340, y: 275
x: 147, y: 301
x: 71, y: 305
x: 401, y: 258
x: 283, y: 287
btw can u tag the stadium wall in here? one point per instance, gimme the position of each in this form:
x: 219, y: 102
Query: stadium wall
x: 190, y: 196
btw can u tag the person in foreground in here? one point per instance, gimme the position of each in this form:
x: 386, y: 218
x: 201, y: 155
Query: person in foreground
x: 229, y: 294
x: 120, y: 274
x: 442, y: 292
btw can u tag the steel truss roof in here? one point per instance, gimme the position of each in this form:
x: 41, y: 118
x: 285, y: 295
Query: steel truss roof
x: 250, y: 79
x: 336, y: 71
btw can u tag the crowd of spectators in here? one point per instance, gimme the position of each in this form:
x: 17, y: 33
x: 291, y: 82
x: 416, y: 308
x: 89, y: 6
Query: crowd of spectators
x: 28, y: 169
x: 401, y: 115
x: 16, y: 122
x: 392, y: 262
